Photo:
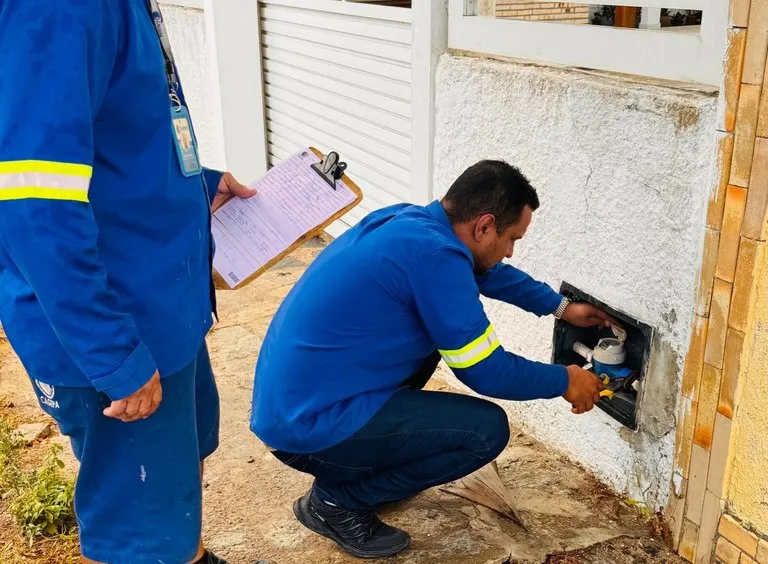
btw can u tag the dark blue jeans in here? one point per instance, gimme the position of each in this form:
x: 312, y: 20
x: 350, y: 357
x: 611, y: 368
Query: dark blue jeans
x: 418, y: 440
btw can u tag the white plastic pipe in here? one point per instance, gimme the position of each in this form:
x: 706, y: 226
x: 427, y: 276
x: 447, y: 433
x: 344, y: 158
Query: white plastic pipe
x: 583, y: 350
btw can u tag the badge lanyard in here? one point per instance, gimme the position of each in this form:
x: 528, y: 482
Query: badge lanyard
x: 184, y: 140
x: 165, y: 44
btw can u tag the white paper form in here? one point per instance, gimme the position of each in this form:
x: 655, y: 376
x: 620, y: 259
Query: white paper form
x: 291, y: 200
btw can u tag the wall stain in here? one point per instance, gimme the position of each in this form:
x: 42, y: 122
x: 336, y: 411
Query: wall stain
x: 685, y: 115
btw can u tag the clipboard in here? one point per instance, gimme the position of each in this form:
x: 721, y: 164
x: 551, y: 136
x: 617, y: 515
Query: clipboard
x: 330, y: 170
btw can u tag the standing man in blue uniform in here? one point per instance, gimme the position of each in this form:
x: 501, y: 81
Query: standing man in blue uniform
x: 338, y: 390
x: 105, y: 265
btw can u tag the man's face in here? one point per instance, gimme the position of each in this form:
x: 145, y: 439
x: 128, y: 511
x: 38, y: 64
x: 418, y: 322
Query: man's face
x: 492, y: 247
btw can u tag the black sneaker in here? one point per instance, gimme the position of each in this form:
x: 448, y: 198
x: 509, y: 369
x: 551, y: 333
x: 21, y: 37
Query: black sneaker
x: 360, y: 533
x: 211, y: 558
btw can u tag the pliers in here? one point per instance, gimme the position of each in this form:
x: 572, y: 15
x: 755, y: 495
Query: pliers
x: 617, y: 385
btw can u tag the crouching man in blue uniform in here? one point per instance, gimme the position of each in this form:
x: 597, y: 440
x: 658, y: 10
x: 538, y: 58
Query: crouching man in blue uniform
x: 338, y: 389
x: 105, y: 266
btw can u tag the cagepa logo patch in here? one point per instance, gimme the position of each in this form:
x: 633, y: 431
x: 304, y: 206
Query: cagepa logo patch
x: 48, y: 391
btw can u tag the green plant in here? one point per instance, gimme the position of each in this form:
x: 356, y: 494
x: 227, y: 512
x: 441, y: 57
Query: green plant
x: 10, y: 444
x: 640, y: 507
x: 44, y: 504
x: 41, y: 500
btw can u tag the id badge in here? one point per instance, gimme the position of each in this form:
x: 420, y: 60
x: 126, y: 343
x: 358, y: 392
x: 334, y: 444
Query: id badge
x: 186, y: 150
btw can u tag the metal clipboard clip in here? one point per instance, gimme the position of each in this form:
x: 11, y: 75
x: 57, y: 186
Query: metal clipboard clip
x: 330, y: 168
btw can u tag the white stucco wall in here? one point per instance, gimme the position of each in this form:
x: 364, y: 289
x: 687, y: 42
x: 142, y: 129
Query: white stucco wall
x: 624, y: 172
x: 186, y: 28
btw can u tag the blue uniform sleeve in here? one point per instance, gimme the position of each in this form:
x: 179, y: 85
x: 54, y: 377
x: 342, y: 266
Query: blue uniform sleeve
x: 448, y: 301
x: 506, y: 283
x: 60, y: 56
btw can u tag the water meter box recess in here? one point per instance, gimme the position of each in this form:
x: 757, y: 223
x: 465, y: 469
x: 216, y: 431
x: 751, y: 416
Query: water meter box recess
x: 637, y: 347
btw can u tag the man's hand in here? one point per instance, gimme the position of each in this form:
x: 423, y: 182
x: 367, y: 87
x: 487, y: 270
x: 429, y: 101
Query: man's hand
x: 228, y: 188
x: 583, y: 389
x: 140, y: 404
x: 586, y: 315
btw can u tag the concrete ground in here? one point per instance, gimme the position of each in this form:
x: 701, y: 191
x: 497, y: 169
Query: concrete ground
x: 248, y: 494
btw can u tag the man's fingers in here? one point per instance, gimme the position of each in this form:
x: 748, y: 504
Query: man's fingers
x: 145, y: 407
x: 579, y: 408
x: 116, y: 409
x: 157, y: 397
x: 142, y: 403
x: 603, y: 314
x: 237, y: 189
x: 149, y: 399
x: 241, y: 191
x: 139, y: 408
x: 132, y: 409
x: 152, y: 403
x: 602, y: 318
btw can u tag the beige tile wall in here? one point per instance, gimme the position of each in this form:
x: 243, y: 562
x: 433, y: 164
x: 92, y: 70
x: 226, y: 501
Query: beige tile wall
x: 736, y: 545
x: 736, y: 222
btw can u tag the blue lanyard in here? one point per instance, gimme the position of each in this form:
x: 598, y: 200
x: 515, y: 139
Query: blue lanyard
x: 165, y: 45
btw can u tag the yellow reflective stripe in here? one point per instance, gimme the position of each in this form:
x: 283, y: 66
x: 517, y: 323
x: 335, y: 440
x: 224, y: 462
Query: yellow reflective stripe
x: 42, y: 193
x: 473, y: 353
x: 50, y: 167
x: 47, y: 180
x: 482, y: 355
x: 470, y: 346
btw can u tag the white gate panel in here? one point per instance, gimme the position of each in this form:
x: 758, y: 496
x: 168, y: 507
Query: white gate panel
x: 337, y: 76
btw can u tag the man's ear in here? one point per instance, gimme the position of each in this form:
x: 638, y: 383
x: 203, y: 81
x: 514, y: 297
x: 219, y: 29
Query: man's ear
x: 484, y: 225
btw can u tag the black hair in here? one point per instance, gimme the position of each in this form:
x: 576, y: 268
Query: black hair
x: 490, y: 187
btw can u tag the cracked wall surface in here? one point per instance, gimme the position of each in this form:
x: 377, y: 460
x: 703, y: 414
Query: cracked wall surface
x: 624, y: 172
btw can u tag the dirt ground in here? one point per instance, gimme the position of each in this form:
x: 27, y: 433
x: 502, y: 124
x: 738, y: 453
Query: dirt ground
x: 248, y: 494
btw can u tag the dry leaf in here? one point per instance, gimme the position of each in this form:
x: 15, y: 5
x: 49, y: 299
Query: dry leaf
x: 485, y: 487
